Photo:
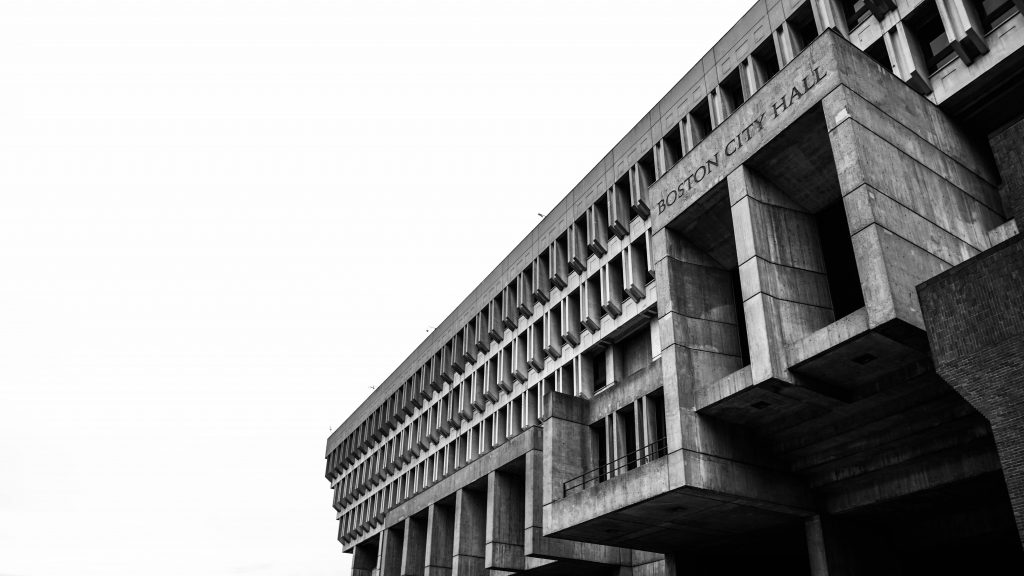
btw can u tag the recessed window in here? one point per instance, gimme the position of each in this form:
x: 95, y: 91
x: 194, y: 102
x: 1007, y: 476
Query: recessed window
x: 926, y: 27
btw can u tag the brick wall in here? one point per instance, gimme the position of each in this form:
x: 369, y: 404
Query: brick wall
x: 1008, y: 148
x: 974, y: 314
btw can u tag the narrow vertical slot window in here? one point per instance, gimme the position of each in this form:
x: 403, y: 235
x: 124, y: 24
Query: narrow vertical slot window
x: 524, y: 289
x: 553, y: 332
x: 558, y: 261
x: 618, y: 206
x: 612, y: 287
x: 699, y: 121
x: 802, y: 24
x: 597, y: 240
x: 766, y: 61
x: 590, y: 304
x: 509, y: 306
x: 671, y: 149
x: 535, y: 344
x: 925, y: 25
x: 541, y: 278
x: 570, y: 309
x: 731, y: 92
x: 840, y: 261
x: 495, y: 327
x: 880, y: 54
x: 578, y: 235
x: 643, y: 176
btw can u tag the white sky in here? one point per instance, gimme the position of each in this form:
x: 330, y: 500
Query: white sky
x: 221, y: 221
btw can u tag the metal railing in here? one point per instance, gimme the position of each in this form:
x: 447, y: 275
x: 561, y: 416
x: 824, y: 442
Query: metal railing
x: 632, y: 460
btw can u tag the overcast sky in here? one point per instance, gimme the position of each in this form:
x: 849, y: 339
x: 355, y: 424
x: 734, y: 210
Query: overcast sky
x: 222, y: 221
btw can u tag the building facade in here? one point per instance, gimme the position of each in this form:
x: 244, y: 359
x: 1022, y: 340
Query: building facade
x: 776, y: 330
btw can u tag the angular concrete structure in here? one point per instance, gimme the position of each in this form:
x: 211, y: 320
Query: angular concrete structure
x: 778, y: 329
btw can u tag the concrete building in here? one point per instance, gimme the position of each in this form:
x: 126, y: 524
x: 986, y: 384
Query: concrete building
x: 776, y: 330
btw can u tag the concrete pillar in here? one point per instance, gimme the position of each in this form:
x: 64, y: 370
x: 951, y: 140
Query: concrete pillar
x: 440, y: 534
x: 829, y: 14
x: 830, y: 551
x: 364, y: 559
x: 584, y: 372
x: 414, y: 547
x: 690, y: 132
x: 786, y: 44
x: 698, y: 327
x: 503, y: 544
x: 389, y: 555
x: 782, y: 272
x: 468, y: 544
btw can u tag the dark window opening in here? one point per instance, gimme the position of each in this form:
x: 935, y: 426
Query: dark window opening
x: 645, y: 166
x: 878, y: 52
x: 767, y: 57
x: 856, y: 12
x: 628, y: 416
x: 803, y: 26
x: 601, y: 439
x: 701, y: 118
x: 992, y: 12
x: 642, y: 260
x: 732, y: 91
x: 926, y: 28
x: 636, y: 350
x: 657, y: 404
x: 840, y: 262
x: 599, y: 370
x: 672, y: 147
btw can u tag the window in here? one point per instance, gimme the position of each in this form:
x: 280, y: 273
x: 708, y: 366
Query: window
x: 927, y: 30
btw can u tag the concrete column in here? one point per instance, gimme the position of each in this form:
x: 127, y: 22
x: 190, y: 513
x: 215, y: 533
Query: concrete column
x: 699, y: 334
x: 414, y: 547
x: 440, y: 534
x: 782, y: 272
x: 690, y: 133
x: 468, y: 544
x: 584, y: 376
x: 786, y: 45
x: 829, y: 14
x: 389, y: 558
x: 829, y: 552
x: 503, y: 543
x: 364, y: 559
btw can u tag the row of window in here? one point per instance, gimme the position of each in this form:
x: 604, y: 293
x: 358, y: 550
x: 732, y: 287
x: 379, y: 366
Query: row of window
x: 627, y: 276
x: 362, y: 505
